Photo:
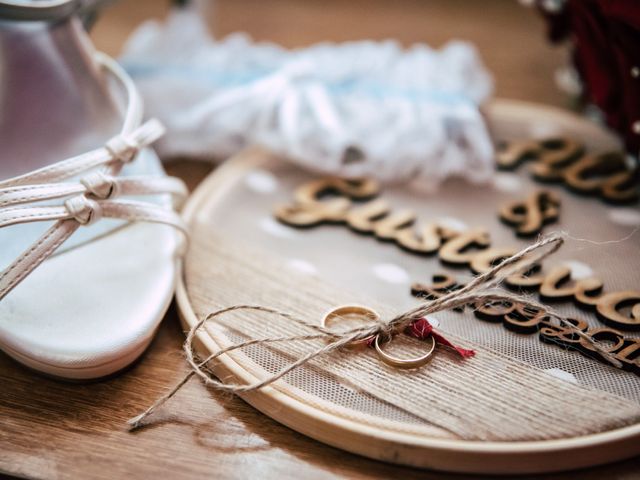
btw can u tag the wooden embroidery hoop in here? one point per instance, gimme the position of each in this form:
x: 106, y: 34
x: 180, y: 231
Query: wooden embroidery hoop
x: 300, y: 414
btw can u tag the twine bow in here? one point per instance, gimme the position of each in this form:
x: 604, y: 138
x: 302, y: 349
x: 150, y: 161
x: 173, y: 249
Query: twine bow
x: 482, y: 289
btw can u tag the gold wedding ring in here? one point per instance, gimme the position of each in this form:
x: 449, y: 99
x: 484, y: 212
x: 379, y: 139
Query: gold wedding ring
x: 401, y: 362
x: 360, y: 312
x: 355, y: 311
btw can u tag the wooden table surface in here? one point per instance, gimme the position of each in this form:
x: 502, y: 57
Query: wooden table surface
x: 50, y: 429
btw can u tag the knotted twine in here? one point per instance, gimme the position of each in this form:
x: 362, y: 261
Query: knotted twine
x: 482, y: 289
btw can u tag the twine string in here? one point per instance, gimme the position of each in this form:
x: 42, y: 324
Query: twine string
x: 483, y: 288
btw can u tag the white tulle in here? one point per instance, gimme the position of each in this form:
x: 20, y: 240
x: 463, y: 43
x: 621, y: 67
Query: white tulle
x: 359, y: 108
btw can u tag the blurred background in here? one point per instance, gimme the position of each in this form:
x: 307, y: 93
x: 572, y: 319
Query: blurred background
x: 510, y: 38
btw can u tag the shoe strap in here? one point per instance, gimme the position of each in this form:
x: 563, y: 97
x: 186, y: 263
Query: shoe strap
x: 87, y: 201
x: 117, y: 151
x: 78, y: 211
x: 87, y: 211
x: 83, y: 208
x: 96, y: 185
x: 92, y: 197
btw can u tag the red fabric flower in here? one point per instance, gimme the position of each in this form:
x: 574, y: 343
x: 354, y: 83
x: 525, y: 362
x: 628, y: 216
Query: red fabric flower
x: 422, y: 329
x: 606, y: 42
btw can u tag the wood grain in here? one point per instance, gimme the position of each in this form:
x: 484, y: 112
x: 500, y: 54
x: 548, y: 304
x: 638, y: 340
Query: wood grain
x: 50, y: 429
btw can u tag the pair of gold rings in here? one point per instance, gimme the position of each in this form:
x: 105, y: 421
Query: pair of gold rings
x: 358, y: 312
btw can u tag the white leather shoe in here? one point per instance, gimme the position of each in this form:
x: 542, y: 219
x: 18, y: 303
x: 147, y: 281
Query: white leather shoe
x: 90, y: 251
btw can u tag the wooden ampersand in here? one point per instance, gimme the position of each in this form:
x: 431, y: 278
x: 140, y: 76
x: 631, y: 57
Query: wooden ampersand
x: 607, y: 175
x: 529, y: 216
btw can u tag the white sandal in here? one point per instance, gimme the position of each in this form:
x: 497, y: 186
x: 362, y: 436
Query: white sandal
x: 90, y: 308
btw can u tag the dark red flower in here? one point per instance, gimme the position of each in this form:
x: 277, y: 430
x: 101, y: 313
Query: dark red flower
x: 606, y: 43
